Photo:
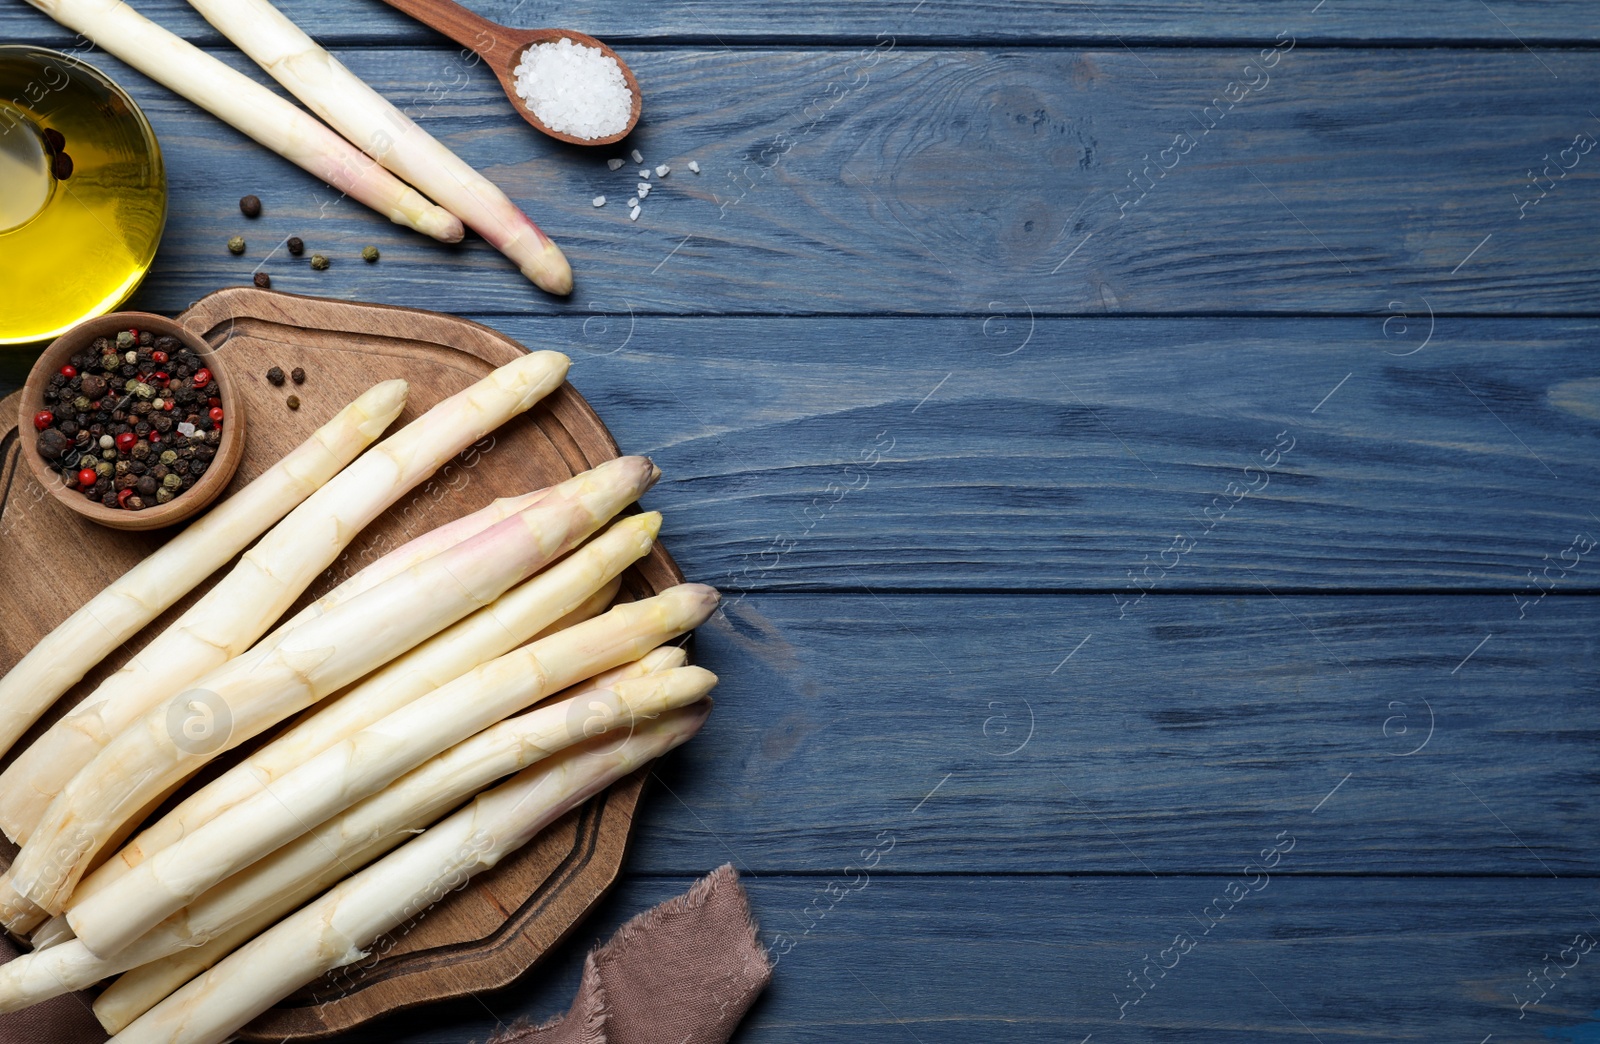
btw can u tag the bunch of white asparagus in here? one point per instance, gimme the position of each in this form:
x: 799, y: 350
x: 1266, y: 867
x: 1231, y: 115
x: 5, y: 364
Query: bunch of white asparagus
x: 454, y: 698
x: 380, y: 145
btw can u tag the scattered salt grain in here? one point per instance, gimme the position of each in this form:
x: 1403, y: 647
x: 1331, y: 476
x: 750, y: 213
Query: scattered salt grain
x: 574, y: 89
x: 186, y: 429
x: 663, y: 170
x: 615, y: 164
x: 692, y: 166
x: 633, y: 215
x: 644, y: 189
x: 638, y: 157
x: 644, y: 172
x: 632, y: 203
x: 599, y: 201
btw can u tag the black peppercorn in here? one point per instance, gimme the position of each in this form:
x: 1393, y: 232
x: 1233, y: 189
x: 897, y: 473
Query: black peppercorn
x: 262, y: 280
x: 275, y: 377
x: 296, y: 245
x: 61, y: 166
x: 54, y: 140
x: 298, y: 375
x: 250, y: 206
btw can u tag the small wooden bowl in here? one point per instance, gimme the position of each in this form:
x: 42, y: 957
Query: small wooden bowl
x: 182, y: 507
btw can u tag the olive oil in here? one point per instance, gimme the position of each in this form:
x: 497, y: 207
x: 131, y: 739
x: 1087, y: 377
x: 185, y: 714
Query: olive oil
x: 76, y: 245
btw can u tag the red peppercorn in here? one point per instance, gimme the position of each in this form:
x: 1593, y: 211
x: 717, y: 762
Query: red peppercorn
x: 213, y: 401
x: 202, y: 378
x: 69, y: 371
x: 155, y: 438
x: 168, y: 405
x: 123, y: 497
x: 159, y: 358
x: 43, y: 419
x: 216, y: 414
x: 162, y: 377
x: 134, y: 334
x: 126, y: 441
x: 87, y: 478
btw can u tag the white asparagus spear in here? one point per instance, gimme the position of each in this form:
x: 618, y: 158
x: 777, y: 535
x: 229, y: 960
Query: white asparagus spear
x: 349, y: 841
x: 366, y: 118
x: 238, y: 100
x: 493, y: 631
x: 339, y: 928
x: 232, y: 913
x: 239, y: 608
x: 371, y: 759
x: 393, y: 563
x: 117, y: 613
x: 251, y: 693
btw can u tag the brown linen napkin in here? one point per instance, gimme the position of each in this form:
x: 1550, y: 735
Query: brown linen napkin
x: 683, y: 973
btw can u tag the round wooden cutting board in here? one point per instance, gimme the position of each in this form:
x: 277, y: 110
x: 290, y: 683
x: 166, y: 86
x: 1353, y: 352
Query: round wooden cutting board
x: 52, y: 561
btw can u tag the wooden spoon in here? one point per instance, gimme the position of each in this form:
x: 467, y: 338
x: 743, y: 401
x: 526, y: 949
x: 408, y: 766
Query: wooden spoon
x: 501, y: 48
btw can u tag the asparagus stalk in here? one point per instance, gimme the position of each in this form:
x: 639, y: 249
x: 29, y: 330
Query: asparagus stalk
x: 254, y: 692
x: 364, y: 117
x: 333, y: 931
x: 493, y: 631
x: 312, y: 863
x: 238, y: 912
x: 409, y: 554
x: 239, y: 609
x: 147, y: 590
x: 251, y: 108
x: 371, y: 759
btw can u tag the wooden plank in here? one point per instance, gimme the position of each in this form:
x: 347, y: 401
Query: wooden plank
x: 1033, y: 959
x: 947, y: 21
x: 961, y: 181
x: 1046, y: 735
x: 995, y: 452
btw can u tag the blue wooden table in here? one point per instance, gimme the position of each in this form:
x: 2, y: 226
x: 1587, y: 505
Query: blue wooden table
x: 1152, y: 454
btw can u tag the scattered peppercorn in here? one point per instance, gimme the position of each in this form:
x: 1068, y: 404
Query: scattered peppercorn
x: 319, y: 262
x: 61, y: 166
x: 298, y: 375
x: 250, y: 206
x: 297, y: 246
x: 369, y: 254
x: 263, y: 280
x: 275, y: 377
x: 236, y: 245
x: 294, y: 402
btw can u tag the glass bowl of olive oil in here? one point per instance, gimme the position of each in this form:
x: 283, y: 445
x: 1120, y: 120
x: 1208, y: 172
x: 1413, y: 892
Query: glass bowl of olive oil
x: 84, y: 195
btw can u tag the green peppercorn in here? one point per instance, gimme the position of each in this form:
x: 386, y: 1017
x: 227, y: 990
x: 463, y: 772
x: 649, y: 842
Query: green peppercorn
x: 369, y: 254
x: 124, y: 341
x: 236, y: 245
x: 293, y: 402
x: 169, y: 457
x: 144, y: 391
x: 108, y: 454
x: 319, y: 262
x: 104, y: 468
x: 108, y: 362
x: 164, y: 496
x: 82, y: 402
x: 172, y: 482
x: 130, y: 384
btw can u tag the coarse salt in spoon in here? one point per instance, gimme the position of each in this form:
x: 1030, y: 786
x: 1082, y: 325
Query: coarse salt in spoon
x: 565, y: 83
